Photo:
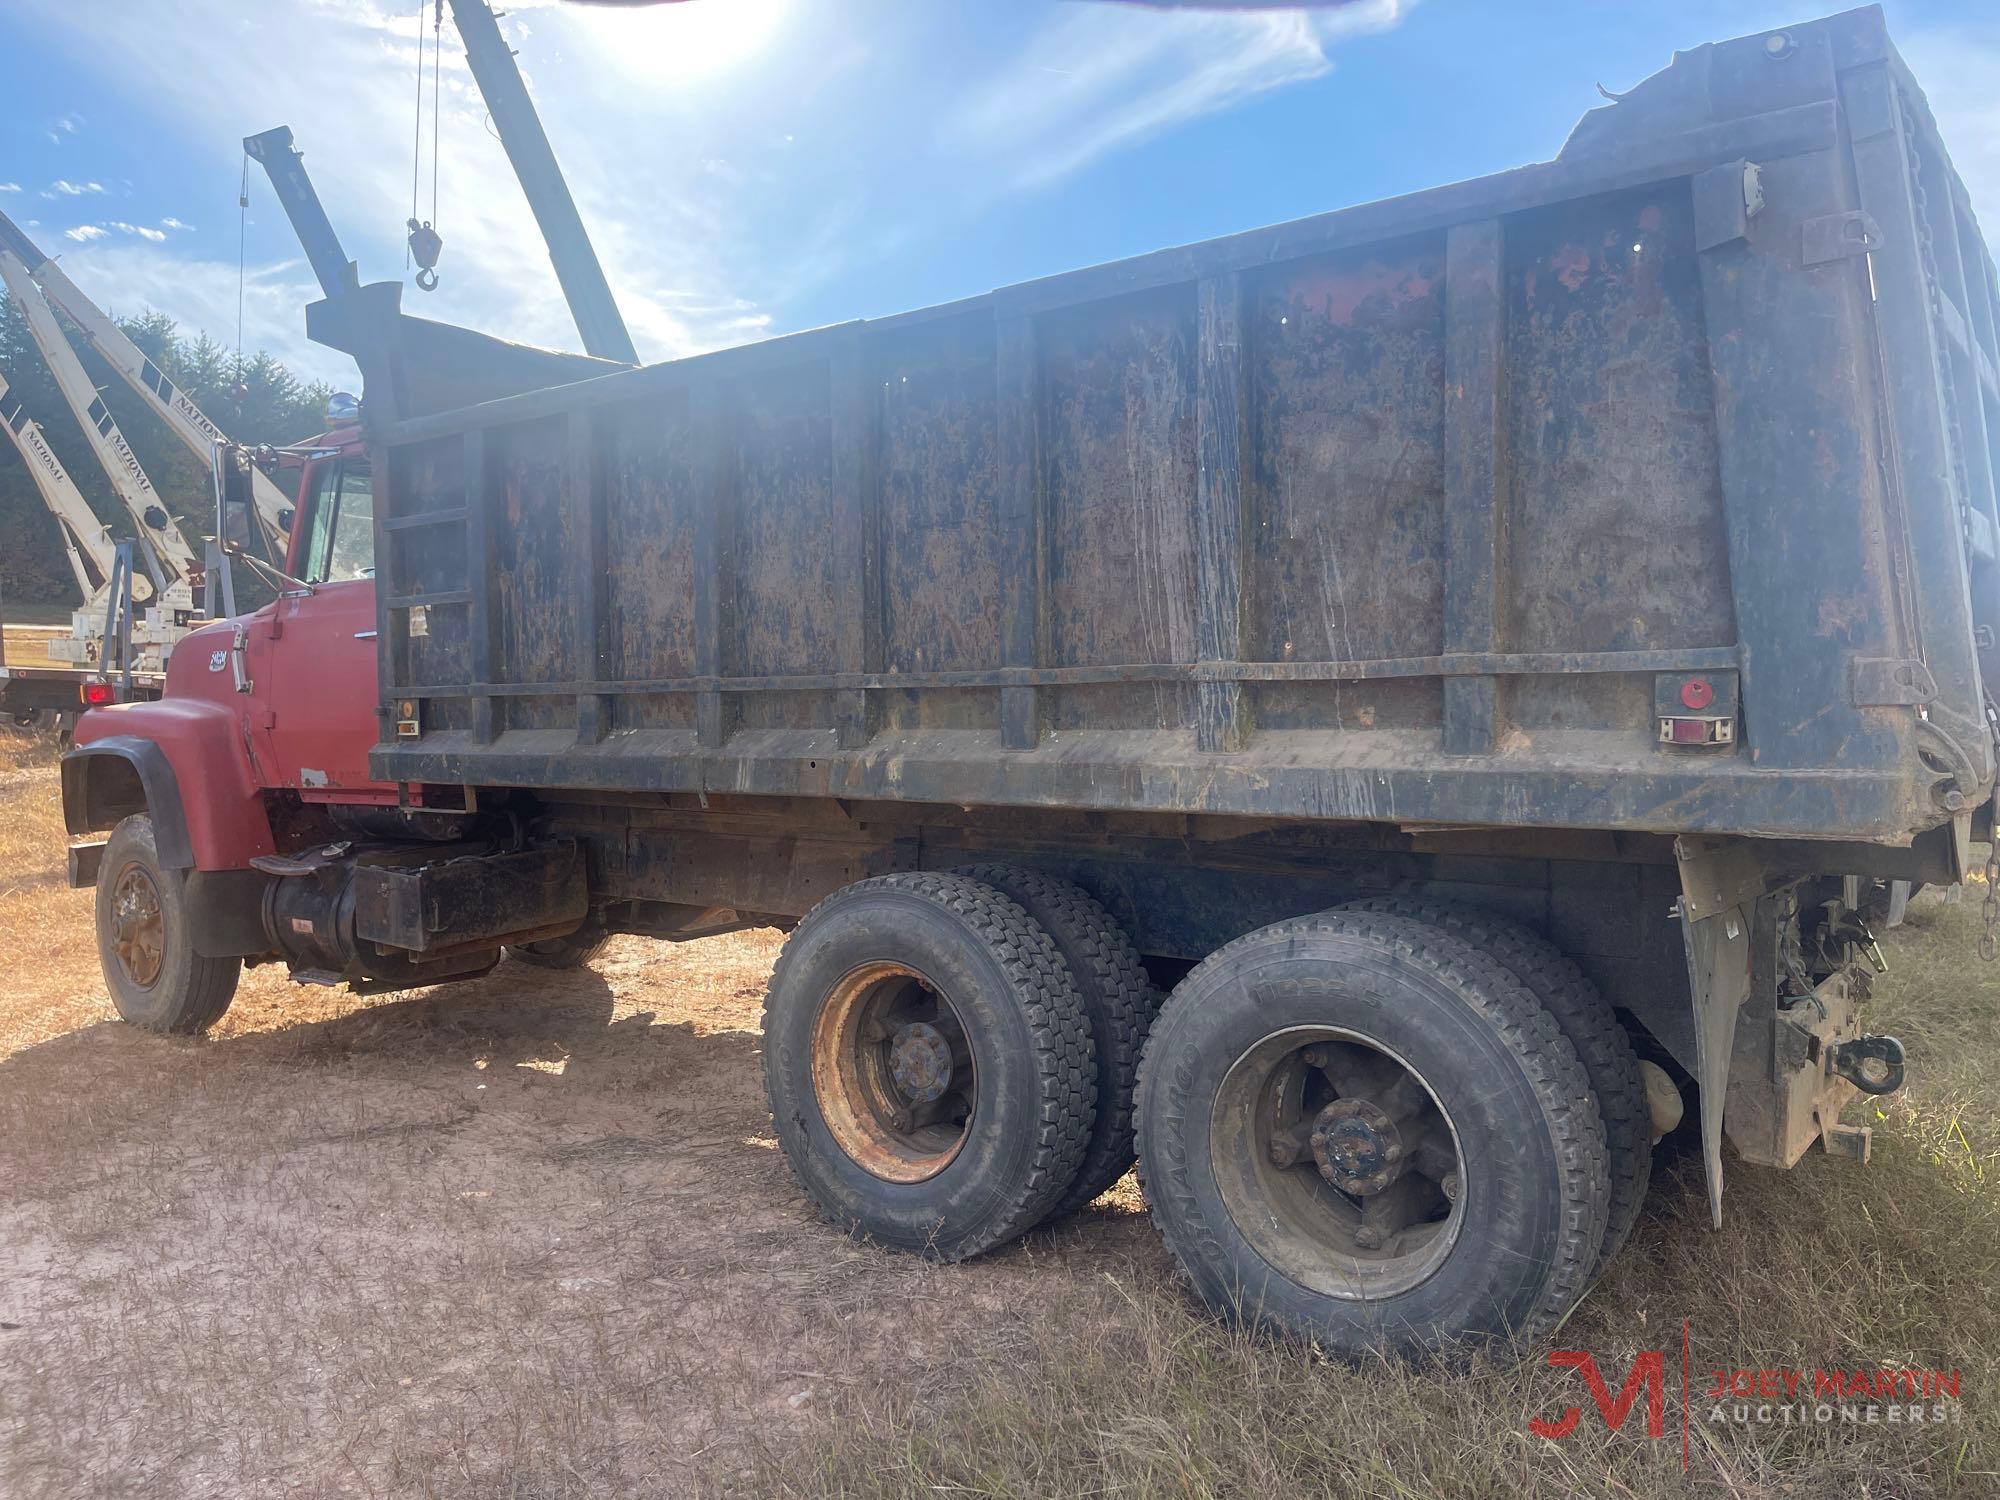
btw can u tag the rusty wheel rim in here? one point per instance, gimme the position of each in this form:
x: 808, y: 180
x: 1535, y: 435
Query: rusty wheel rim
x: 893, y: 1072
x: 138, y: 928
x: 1339, y: 1163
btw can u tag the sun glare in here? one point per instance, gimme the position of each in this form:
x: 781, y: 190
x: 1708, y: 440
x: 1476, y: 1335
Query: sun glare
x: 697, y: 39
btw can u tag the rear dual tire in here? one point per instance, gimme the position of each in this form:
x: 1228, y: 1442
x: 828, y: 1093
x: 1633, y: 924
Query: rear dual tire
x: 1118, y: 1003
x: 930, y: 1071
x: 1404, y: 1043
x: 1587, y: 1023
x: 1357, y: 1127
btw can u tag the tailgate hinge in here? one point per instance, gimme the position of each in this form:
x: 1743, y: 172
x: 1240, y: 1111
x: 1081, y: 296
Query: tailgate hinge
x: 1890, y: 682
x: 1837, y: 236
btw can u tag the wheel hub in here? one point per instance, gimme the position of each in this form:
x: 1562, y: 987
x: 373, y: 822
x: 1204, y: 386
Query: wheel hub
x: 138, y: 928
x: 1357, y: 1147
x: 920, y: 1062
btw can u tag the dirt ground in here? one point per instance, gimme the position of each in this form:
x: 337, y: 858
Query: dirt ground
x: 532, y: 1236
x: 518, y: 1235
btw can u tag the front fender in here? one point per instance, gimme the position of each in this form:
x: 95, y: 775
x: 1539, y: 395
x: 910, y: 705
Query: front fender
x: 181, y: 762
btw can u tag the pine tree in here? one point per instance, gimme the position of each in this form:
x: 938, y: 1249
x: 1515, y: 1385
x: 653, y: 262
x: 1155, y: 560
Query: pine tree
x: 275, y: 406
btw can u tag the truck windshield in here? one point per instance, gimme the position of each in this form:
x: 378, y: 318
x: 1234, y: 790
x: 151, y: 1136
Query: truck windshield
x: 341, y: 544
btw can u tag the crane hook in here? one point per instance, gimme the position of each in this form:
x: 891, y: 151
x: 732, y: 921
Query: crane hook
x: 425, y: 244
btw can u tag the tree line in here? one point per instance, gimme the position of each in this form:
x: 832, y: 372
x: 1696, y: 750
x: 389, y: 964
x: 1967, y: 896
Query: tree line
x: 255, y: 401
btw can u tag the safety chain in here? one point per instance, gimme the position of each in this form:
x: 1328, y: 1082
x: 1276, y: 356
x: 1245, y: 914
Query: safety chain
x: 1934, y: 290
x: 1989, y: 909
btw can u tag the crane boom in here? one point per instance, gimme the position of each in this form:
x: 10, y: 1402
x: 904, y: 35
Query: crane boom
x: 172, y: 405
x: 128, y: 480
x: 86, y: 540
x: 527, y: 146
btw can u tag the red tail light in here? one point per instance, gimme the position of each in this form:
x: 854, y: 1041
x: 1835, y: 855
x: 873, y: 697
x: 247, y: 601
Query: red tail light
x: 97, y: 692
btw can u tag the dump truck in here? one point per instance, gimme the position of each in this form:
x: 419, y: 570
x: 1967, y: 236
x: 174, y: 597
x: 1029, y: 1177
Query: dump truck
x: 1372, y: 715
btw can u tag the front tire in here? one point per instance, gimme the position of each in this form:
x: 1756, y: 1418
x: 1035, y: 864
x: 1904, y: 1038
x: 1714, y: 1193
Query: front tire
x: 145, y: 944
x: 1361, y: 1130
x: 929, y: 1069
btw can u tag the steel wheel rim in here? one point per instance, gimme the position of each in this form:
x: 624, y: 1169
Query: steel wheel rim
x: 138, y: 926
x: 884, y: 1039
x: 1293, y: 1214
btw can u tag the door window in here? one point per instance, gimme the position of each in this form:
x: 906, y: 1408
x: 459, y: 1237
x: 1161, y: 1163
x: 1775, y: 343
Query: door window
x: 341, y: 544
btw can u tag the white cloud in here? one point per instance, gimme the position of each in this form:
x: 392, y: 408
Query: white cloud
x: 70, y: 189
x: 83, y: 234
x: 1098, y: 78
x: 126, y: 278
x: 495, y: 272
x: 170, y: 222
x: 10, y: 187
x: 728, y: 157
x: 141, y: 230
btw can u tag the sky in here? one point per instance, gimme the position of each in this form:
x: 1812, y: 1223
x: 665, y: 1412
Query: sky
x: 754, y: 167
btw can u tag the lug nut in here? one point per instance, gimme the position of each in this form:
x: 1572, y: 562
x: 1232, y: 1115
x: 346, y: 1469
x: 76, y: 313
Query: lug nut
x: 1452, y: 1187
x: 1368, y: 1237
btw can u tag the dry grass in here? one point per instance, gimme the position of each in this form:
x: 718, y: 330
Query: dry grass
x: 532, y: 1237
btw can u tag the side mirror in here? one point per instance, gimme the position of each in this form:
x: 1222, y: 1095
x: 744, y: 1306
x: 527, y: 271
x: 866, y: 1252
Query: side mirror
x: 236, y: 516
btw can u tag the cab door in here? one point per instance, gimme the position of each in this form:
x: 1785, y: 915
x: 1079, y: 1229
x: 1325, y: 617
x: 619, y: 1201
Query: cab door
x: 322, y: 695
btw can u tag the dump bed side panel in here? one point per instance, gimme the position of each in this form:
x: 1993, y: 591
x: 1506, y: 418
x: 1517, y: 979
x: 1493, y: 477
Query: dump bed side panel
x: 1425, y: 511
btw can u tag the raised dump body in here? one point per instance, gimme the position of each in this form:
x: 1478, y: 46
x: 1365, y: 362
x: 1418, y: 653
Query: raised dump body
x: 1465, y: 507
x: 1463, y: 645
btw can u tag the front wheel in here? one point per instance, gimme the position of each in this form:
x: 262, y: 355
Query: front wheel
x: 144, y: 943
x: 1362, y: 1130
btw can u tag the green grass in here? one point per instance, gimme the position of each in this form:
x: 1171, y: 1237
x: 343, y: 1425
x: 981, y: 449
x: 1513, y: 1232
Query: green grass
x: 1116, y: 1384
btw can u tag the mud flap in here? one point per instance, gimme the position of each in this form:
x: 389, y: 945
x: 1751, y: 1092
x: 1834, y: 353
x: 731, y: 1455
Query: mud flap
x: 1720, y: 885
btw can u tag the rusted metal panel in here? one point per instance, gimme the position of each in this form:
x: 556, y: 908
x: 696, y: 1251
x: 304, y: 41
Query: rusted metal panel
x: 1782, y: 454
x: 646, y: 455
x: 1347, y: 540
x: 1475, y: 474
x: 941, y: 520
x: 583, y: 520
x: 1119, y: 411
x: 853, y: 546
x: 1406, y: 514
x: 428, y: 479
x: 1221, y: 715
x: 534, y: 543
x: 714, y: 552
x: 1021, y: 516
x: 789, y: 607
x: 1615, y: 513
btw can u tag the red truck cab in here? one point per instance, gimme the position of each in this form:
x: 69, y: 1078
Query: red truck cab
x: 257, y: 750
x: 277, y: 700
